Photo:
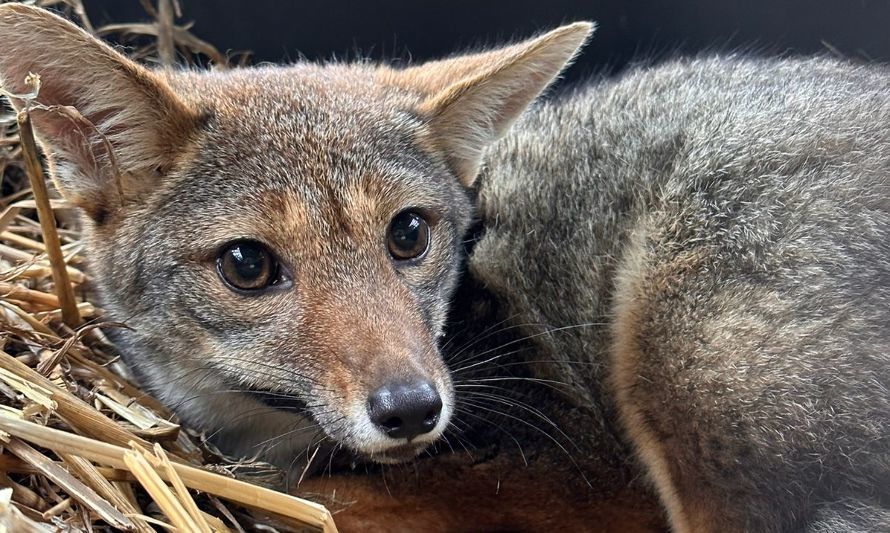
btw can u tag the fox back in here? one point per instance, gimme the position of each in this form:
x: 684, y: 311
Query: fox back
x: 700, y: 254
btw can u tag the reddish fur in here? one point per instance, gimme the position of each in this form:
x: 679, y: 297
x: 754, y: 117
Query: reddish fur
x: 452, y: 494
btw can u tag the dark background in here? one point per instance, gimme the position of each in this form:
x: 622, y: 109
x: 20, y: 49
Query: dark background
x: 286, y: 30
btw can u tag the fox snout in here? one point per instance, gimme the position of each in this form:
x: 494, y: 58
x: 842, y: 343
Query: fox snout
x: 405, y: 410
x: 385, y: 384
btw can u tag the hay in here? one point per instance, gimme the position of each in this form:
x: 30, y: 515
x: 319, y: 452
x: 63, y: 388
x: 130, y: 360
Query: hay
x: 82, y: 448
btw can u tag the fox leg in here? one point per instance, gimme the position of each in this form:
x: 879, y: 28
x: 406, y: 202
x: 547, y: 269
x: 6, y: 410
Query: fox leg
x: 752, y: 404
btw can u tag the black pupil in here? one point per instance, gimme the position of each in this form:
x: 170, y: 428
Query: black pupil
x: 405, y: 233
x: 248, y: 266
x: 249, y: 261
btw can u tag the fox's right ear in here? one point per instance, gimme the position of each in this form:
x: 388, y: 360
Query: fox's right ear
x: 470, y: 101
x: 127, y: 108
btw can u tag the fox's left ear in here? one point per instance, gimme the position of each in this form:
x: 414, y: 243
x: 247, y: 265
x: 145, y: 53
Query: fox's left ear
x: 132, y: 125
x: 471, y: 100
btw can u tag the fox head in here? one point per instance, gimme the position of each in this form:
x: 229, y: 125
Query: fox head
x: 283, y: 241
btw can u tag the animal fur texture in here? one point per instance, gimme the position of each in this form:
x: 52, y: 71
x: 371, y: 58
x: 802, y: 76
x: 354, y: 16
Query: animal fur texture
x: 696, y: 253
x: 725, y: 222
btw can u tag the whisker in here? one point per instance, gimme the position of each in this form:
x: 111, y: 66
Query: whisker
x: 525, y: 338
x: 499, y: 428
x: 525, y: 407
x: 558, y: 386
x: 536, y: 428
x: 484, y: 334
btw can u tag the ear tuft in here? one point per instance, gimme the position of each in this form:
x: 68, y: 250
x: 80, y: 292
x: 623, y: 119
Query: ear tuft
x: 472, y: 100
x: 120, y: 106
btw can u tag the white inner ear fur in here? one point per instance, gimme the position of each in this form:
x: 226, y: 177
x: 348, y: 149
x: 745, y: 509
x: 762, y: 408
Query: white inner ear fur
x: 130, y: 107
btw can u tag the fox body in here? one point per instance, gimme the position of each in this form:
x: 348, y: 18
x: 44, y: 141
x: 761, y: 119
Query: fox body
x: 700, y: 251
x: 696, y: 253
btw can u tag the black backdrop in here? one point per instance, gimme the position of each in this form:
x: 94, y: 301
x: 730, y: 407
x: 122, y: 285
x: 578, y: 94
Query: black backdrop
x: 284, y: 30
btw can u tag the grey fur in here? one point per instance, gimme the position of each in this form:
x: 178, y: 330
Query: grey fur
x: 728, y: 222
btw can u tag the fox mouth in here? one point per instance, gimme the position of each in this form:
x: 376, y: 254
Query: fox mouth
x: 285, y: 402
x: 362, y: 447
x: 398, y: 454
x: 280, y: 400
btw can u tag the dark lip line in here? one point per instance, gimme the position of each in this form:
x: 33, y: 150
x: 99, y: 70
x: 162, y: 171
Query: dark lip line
x: 279, y: 400
x: 275, y: 399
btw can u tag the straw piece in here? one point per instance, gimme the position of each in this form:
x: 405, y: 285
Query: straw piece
x: 9, y: 215
x: 35, y: 393
x: 39, y: 270
x: 123, y: 385
x: 48, y: 363
x: 47, y: 220
x: 13, y: 521
x: 58, y: 508
x: 216, y: 525
x: 161, y: 462
x: 24, y: 242
x: 226, y: 513
x: 154, y: 485
x: 15, y: 254
x: 130, y: 415
x: 74, y: 410
x: 156, y: 522
x: 29, y: 319
x: 230, y: 489
x: 149, y: 425
x: 87, y: 310
x: 23, y: 494
x: 91, y: 475
x: 124, y: 487
x: 11, y: 464
x: 17, y: 292
x: 166, y: 42
x: 55, y: 204
x: 69, y: 484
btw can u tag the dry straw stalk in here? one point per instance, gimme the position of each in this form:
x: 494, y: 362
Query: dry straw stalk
x: 70, y: 314
x: 194, y: 478
x: 82, y: 448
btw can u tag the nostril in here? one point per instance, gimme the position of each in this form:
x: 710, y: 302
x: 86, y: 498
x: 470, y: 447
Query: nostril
x: 392, y: 423
x: 405, y: 410
x: 430, y: 420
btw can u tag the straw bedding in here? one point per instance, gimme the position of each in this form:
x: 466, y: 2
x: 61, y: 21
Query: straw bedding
x: 81, y: 447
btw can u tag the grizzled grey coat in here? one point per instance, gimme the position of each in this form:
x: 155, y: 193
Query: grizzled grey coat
x: 726, y: 222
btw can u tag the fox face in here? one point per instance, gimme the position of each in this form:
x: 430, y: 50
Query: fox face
x: 319, y: 281
x: 283, y: 241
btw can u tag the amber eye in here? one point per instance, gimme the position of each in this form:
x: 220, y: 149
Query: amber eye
x: 408, y: 236
x: 248, y: 266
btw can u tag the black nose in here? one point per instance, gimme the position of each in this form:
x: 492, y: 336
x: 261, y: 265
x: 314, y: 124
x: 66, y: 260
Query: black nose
x: 405, y: 410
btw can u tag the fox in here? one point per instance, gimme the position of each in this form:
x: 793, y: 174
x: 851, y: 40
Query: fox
x: 697, y: 253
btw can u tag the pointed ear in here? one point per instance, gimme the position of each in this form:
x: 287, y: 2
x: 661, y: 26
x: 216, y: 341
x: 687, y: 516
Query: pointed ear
x: 121, y: 108
x: 470, y: 101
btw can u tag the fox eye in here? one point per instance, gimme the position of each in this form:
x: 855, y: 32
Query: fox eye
x: 408, y: 236
x: 248, y: 266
